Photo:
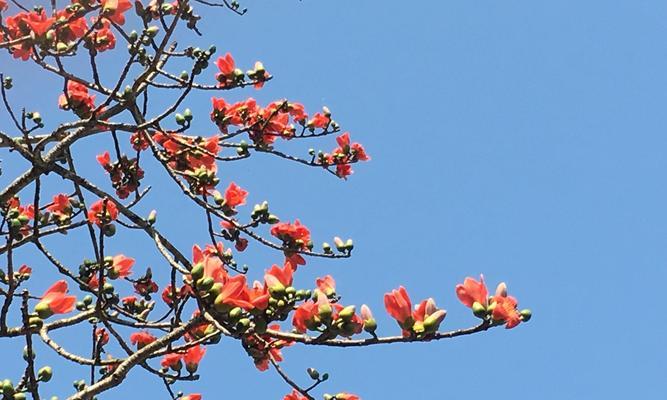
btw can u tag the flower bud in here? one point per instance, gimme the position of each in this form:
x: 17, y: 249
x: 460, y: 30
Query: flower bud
x: 526, y: 315
x: 347, y: 313
x: 478, y: 310
x: 19, y: 396
x: 313, y: 373
x: 433, y: 321
x: 501, y: 290
x: 43, y: 310
x: 152, y: 30
x: 205, y: 284
x: 7, y: 387
x: 45, y: 374
x: 152, y: 217
x: 324, y: 311
x: 197, y: 271
x: 370, y: 325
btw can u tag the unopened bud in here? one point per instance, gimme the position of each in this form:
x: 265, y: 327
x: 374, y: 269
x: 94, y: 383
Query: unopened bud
x: 347, y: 313
x: 197, y: 271
x: 45, y: 374
x: 152, y: 217
x: 152, y: 30
x: 433, y: 321
x: 501, y: 290
x: 478, y: 310
x: 313, y: 373
x: 526, y: 315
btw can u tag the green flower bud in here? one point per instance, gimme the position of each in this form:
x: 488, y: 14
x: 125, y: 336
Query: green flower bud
x: 7, y: 387
x: 370, y: 325
x: 526, y: 315
x: 313, y: 373
x: 19, y: 396
x: 187, y: 114
x: 45, y: 374
x: 197, y: 271
x: 347, y: 313
x: 180, y: 119
x: 152, y: 30
x: 479, y: 310
x: 43, y: 310
x: 152, y: 217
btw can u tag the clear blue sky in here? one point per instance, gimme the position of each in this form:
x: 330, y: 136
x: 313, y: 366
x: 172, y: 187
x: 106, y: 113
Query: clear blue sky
x: 522, y: 139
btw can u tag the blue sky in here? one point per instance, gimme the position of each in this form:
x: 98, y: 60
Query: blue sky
x: 519, y: 139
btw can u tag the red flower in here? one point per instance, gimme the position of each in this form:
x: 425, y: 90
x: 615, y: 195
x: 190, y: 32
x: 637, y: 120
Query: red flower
x: 61, y: 207
x: 139, y: 141
x: 77, y: 99
x: 102, y: 336
x: 226, y: 65
x: 506, y: 310
x: 295, y: 395
x: 278, y: 278
x: 192, y: 357
x: 304, y: 316
x: 55, y: 301
x: 192, y: 396
x: 97, y: 214
x: 121, y: 266
x: 472, y: 291
x: 234, y: 294
x: 142, y: 338
x: 347, y: 396
x: 114, y: 9
x: 294, y: 235
x: 104, y: 159
x: 235, y: 196
x: 24, y: 271
x: 326, y: 285
x: 172, y: 360
x: 398, y: 305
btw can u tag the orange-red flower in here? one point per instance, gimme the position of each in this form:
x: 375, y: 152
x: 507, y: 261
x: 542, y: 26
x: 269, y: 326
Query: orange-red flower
x: 472, y: 291
x: 235, y: 196
x: 114, y: 10
x: 55, y: 301
x: 347, y: 396
x: 192, y: 396
x: 277, y: 278
x: 294, y: 235
x: 102, y: 212
x: 61, y: 208
x: 172, y: 360
x: 326, y: 285
x: 192, y: 357
x: 295, y: 395
x: 398, y: 305
x: 121, y: 266
x: 142, y: 338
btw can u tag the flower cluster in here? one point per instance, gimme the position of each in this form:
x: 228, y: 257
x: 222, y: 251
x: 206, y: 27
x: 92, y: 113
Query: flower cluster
x: 77, y: 99
x: 265, y: 124
x: 18, y: 216
x: 424, y: 320
x: 499, y: 308
x: 125, y: 173
x: 230, y: 76
x: 193, y: 158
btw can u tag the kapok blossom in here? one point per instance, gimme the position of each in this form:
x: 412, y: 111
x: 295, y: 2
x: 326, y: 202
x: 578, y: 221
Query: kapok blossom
x: 326, y: 285
x: 193, y: 357
x: 141, y: 339
x: 121, y: 266
x: 192, y: 396
x: 235, y: 196
x: 102, y: 212
x: 55, y: 301
x: 173, y: 361
x: 424, y: 319
x: 295, y: 395
x: 472, y: 291
x: 293, y: 235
